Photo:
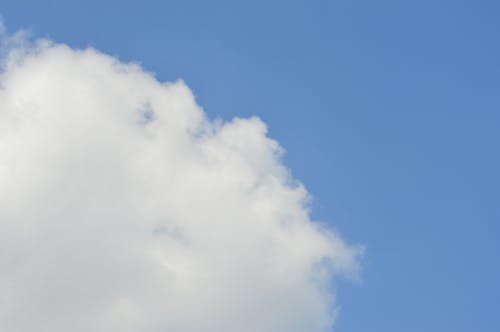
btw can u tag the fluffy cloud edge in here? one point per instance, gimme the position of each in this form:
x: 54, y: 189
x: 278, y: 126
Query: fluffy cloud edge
x: 240, y: 146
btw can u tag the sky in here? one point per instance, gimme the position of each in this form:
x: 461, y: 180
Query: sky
x: 388, y: 113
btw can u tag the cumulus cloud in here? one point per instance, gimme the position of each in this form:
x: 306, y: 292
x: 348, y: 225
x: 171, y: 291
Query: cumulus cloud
x: 123, y: 207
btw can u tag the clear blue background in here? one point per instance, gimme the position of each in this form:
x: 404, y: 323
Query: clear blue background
x: 389, y: 111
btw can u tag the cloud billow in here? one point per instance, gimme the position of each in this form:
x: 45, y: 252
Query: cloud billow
x: 124, y: 208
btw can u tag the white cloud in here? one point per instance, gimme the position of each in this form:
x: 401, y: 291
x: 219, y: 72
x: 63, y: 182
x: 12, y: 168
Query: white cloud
x: 123, y: 208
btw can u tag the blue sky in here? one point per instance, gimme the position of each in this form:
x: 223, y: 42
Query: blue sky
x: 389, y: 112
